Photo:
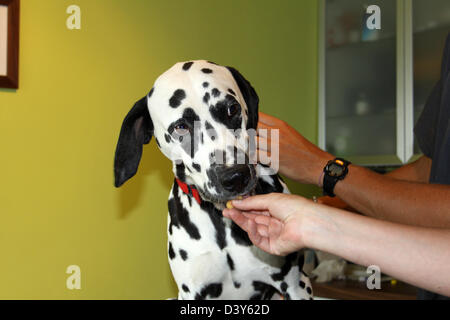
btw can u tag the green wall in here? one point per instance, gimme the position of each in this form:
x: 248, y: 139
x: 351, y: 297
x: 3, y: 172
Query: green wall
x: 58, y: 131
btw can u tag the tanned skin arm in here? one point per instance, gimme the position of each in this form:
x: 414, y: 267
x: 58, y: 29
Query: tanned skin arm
x: 402, y: 196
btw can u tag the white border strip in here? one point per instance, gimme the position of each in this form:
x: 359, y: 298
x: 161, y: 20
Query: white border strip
x: 322, y: 77
x: 3, y: 40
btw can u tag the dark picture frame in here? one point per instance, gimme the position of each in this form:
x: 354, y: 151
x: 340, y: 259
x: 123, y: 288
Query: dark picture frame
x: 11, y: 79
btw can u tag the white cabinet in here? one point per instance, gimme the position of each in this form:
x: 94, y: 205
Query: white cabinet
x: 374, y: 83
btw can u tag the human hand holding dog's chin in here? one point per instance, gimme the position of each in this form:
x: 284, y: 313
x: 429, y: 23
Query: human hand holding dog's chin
x: 299, y: 159
x: 275, y: 222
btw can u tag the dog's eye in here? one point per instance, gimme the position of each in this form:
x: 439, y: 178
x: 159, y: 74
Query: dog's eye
x: 181, y: 129
x: 233, y: 109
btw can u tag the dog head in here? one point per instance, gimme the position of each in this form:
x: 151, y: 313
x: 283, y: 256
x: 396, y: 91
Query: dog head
x: 201, y: 115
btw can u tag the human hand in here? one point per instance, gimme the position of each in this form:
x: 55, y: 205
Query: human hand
x: 299, y: 159
x: 274, y: 222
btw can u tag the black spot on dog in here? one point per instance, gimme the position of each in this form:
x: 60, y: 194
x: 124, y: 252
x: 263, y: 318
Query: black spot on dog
x: 179, y: 216
x: 240, y: 236
x: 212, y: 133
x: 219, y: 112
x: 212, y: 63
x: 213, y: 290
x: 151, y: 92
x: 290, y: 258
x: 208, y: 126
x: 196, y: 166
x: 206, y: 97
x: 171, y: 252
x: 190, y: 201
x: 167, y: 137
x: 301, y: 261
x: 189, y: 141
x: 187, y: 66
x: 236, y: 284
x: 238, y: 155
x: 178, y: 96
x: 185, y: 288
x: 180, y: 171
x: 215, y: 93
x: 232, y: 92
x: 263, y: 290
x: 157, y: 142
x: 302, y: 284
x: 309, y: 290
x: 201, y: 138
x: 190, y: 146
x: 283, y: 287
x: 230, y: 262
x: 183, y: 254
x: 205, y: 84
x: 217, y: 220
x: 207, y: 70
x: 264, y: 187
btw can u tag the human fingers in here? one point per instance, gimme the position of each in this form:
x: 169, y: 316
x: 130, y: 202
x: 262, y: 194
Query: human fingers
x: 258, y: 218
x: 257, y: 232
x: 267, y: 119
x: 259, y: 213
x: 237, y: 217
x: 267, y: 202
x: 257, y: 238
x: 253, y: 203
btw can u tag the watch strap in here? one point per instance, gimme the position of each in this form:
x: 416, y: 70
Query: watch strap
x: 329, y: 181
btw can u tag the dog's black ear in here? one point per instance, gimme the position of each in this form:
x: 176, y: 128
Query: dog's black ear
x: 250, y: 97
x: 137, y: 130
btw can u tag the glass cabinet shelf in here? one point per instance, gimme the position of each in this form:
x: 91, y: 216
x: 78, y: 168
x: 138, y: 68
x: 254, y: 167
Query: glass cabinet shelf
x: 373, y: 84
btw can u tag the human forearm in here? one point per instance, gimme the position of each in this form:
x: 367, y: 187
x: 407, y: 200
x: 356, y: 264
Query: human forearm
x: 418, y: 171
x: 412, y: 253
x: 405, y: 202
x: 389, y: 197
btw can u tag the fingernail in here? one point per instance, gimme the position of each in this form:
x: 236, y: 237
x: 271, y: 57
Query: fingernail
x: 236, y: 201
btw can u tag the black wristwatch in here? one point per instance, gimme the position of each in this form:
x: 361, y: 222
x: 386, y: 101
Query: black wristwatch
x: 334, y: 171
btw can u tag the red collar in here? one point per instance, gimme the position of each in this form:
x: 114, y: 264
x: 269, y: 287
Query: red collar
x: 189, y: 190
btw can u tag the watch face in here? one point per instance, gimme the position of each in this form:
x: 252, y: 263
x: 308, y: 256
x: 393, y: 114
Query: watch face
x: 335, y: 170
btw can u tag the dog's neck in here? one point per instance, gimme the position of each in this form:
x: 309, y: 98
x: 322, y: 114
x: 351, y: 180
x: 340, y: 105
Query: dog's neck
x: 190, y: 190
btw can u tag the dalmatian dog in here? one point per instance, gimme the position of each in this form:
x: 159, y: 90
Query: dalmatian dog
x: 200, y: 113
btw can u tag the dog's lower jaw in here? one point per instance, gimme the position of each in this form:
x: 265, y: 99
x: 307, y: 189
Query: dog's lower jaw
x: 221, y: 204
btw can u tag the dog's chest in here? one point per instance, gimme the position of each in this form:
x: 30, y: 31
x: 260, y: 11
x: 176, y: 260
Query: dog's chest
x: 205, y: 248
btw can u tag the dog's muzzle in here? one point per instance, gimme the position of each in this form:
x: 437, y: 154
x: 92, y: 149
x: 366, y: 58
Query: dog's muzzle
x: 232, y: 181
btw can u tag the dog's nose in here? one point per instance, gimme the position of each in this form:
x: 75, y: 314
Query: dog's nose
x: 235, y: 178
